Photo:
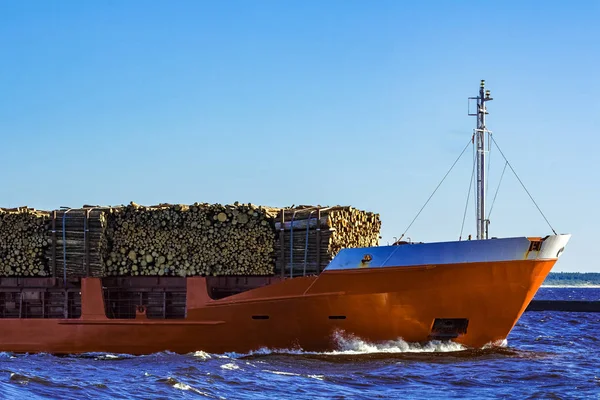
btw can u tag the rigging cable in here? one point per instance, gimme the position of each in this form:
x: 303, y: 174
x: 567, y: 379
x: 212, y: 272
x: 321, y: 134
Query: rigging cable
x: 437, y: 187
x: 498, y: 188
x: 521, y: 182
x: 468, y: 195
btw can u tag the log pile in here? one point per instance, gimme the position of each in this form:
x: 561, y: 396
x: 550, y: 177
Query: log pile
x: 181, y: 240
x: 83, y: 230
x: 306, y: 248
x: 23, y: 241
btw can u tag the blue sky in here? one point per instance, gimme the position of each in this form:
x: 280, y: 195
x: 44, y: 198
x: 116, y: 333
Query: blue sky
x: 305, y: 102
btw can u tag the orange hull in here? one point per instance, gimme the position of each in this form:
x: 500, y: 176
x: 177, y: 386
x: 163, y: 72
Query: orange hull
x: 378, y: 304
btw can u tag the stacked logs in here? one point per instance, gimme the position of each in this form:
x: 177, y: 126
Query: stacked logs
x: 181, y: 240
x: 302, y: 248
x: 79, y: 254
x: 23, y: 241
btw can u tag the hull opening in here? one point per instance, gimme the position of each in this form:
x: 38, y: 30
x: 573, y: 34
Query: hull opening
x: 448, y: 328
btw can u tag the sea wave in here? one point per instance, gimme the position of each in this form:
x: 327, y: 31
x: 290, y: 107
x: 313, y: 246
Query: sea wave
x: 230, y: 366
x: 176, y: 384
x: 350, y: 345
x: 103, y: 356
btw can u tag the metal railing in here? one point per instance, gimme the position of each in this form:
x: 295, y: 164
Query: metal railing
x: 122, y: 304
x: 40, y: 303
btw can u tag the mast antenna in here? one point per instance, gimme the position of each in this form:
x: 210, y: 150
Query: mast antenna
x: 479, y: 135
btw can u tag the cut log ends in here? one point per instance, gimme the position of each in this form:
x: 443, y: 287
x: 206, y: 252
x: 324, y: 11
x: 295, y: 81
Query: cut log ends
x: 179, y: 240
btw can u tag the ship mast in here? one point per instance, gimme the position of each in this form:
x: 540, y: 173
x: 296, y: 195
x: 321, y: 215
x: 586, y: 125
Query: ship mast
x: 479, y: 136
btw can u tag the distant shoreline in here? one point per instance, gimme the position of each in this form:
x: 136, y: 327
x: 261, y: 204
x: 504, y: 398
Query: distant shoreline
x: 575, y: 286
x: 572, y: 279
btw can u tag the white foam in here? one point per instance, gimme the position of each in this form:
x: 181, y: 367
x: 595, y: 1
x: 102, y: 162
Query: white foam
x: 281, y: 373
x: 104, y: 356
x: 110, y: 356
x: 185, y: 387
x: 497, y: 343
x: 202, y: 354
x: 284, y: 373
x: 352, y: 345
x: 182, y: 386
x: 230, y: 366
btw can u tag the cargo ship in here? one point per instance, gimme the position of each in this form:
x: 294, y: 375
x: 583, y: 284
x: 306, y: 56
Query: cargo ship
x: 468, y: 291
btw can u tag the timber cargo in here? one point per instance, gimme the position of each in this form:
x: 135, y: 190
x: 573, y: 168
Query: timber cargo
x: 23, y: 241
x: 179, y: 240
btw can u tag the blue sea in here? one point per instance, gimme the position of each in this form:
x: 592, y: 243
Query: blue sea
x: 548, y: 355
